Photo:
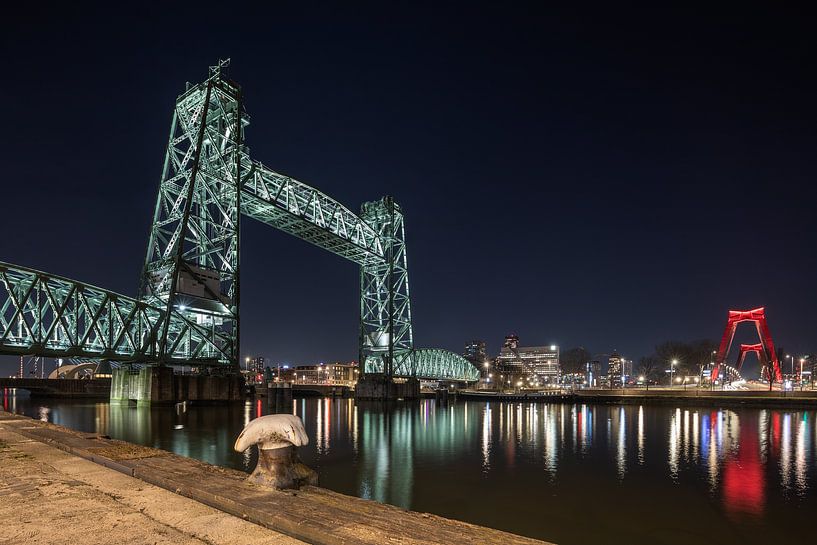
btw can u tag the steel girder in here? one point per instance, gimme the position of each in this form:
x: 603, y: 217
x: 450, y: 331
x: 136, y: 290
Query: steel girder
x: 305, y: 212
x: 56, y: 317
x: 386, y: 338
x: 435, y: 363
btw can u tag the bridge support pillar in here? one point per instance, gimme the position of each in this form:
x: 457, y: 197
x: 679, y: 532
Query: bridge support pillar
x: 144, y: 386
x: 376, y: 386
x: 160, y: 385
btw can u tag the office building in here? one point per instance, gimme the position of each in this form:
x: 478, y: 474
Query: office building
x: 529, y: 365
x: 615, y: 370
x: 476, y: 353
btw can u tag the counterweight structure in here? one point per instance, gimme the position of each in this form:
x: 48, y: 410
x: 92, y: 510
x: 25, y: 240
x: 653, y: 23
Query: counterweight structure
x: 188, y: 307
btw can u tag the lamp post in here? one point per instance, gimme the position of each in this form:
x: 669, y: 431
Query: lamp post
x: 672, y: 365
x: 800, y: 378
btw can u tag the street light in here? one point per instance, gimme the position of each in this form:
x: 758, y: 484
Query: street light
x: 800, y: 378
x: 672, y: 365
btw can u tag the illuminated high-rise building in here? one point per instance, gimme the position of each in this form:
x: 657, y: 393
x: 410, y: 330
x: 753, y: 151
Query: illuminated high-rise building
x: 615, y: 370
x: 530, y: 365
x: 256, y: 365
x: 475, y: 353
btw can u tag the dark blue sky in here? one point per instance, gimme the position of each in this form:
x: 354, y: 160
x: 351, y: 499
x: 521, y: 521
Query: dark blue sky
x: 603, y: 177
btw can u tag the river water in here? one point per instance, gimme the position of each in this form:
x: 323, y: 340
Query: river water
x: 572, y: 474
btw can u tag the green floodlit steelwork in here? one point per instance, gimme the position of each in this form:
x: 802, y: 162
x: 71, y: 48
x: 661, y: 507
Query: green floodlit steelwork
x: 191, y: 271
x: 435, y: 363
x: 52, y: 316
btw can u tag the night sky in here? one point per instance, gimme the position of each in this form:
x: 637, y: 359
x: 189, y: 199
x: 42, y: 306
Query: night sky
x: 607, y: 177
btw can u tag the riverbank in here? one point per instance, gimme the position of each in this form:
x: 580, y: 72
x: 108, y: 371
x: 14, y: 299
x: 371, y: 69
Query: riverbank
x: 311, y: 515
x: 806, y: 399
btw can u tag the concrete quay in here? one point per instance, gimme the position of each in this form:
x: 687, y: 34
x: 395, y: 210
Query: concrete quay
x: 762, y: 399
x: 53, y: 497
x: 71, y: 487
x: 709, y: 398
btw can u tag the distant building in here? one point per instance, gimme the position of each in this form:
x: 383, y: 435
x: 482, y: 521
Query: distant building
x: 614, y: 370
x: 255, y: 368
x: 475, y: 353
x: 627, y: 369
x: 332, y: 373
x: 511, y: 341
x: 619, y: 370
x: 593, y: 374
x: 530, y: 365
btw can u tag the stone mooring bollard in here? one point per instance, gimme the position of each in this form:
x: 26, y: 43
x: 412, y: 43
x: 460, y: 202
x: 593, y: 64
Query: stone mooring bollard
x: 277, y: 437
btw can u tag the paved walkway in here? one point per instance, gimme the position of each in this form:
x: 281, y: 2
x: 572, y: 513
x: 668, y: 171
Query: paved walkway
x: 48, y: 496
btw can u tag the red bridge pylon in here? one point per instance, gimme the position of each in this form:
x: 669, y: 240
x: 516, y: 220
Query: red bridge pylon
x: 764, y: 350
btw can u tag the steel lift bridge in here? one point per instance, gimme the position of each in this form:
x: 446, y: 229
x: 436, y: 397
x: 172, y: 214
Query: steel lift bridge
x: 187, y: 308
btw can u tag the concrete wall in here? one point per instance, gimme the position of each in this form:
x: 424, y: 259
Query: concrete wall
x: 58, y: 387
x: 375, y: 386
x: 160, y: 385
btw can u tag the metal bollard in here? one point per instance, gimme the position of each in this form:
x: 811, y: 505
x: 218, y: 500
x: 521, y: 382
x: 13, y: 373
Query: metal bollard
x: 277, y: 437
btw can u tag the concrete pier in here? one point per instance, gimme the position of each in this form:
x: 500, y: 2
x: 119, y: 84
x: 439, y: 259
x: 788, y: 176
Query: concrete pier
x: 160, y: 385
x: 382, y: 388
x: 121, y: 506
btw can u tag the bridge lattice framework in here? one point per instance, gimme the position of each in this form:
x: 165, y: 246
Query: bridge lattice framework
x: 187, y: 308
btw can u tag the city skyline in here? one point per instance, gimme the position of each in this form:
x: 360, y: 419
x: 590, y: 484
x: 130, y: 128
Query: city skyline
x: 611, y: 199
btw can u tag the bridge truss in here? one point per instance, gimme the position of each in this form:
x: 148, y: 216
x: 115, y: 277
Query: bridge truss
x: 187, y: 308
x: 48, y: 315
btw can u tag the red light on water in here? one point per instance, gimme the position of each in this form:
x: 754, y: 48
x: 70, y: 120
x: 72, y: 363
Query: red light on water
x: 744, y: 480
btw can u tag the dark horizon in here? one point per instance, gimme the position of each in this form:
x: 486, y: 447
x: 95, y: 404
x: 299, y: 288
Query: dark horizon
x: 609, y: 180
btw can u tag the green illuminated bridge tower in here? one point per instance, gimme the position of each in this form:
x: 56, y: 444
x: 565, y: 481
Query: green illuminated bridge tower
x: 187, y: 308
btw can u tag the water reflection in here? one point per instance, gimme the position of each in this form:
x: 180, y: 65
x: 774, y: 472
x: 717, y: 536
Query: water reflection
x: 504, y: 464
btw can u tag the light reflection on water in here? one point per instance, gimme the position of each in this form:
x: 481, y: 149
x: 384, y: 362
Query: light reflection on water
x: 538, y: 469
